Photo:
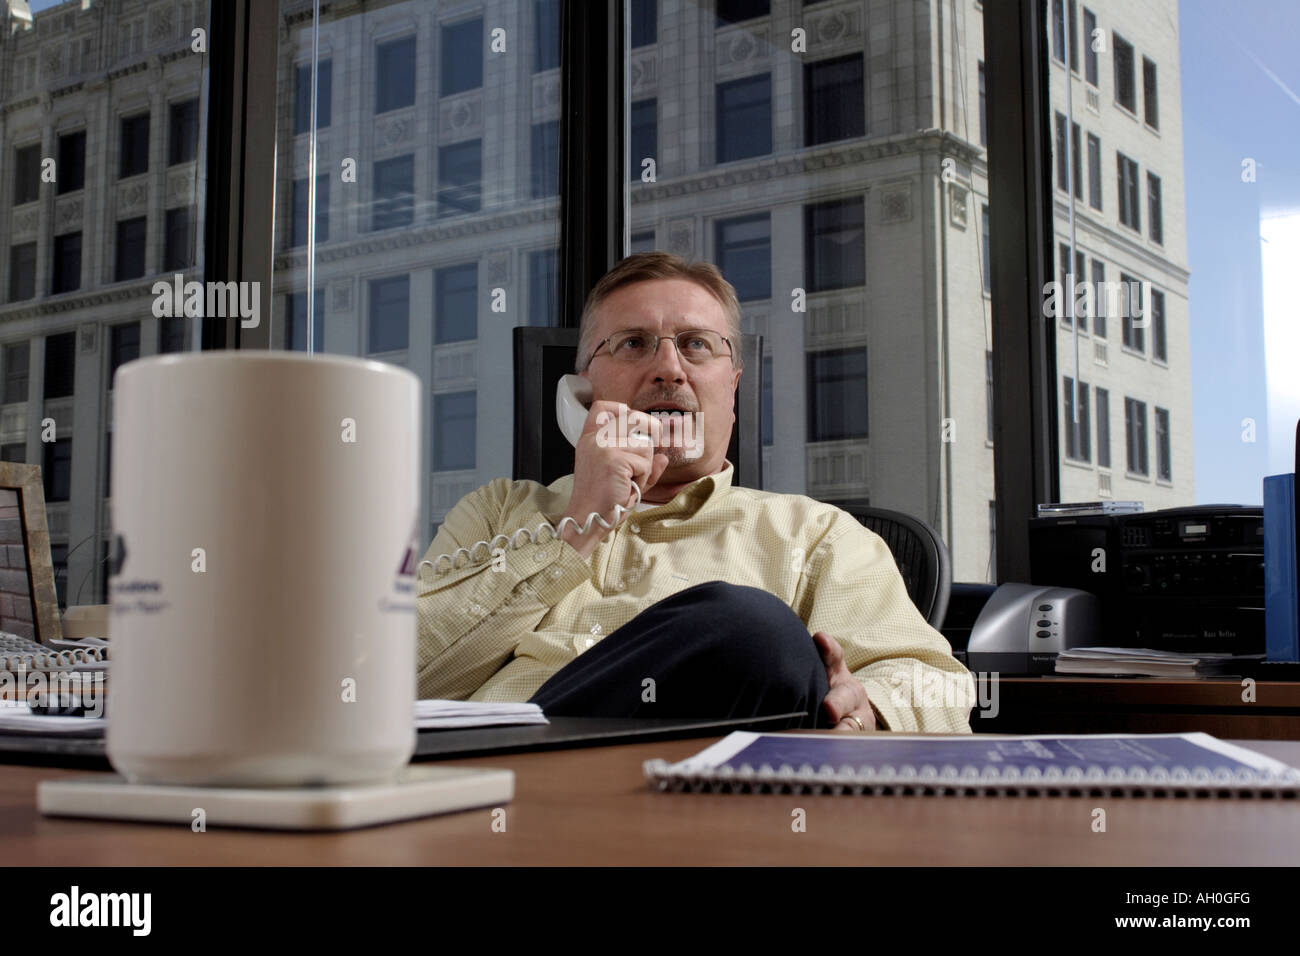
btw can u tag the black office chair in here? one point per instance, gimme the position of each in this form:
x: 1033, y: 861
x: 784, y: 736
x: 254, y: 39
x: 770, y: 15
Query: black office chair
x: 542, y: 453
x: 921, y: 556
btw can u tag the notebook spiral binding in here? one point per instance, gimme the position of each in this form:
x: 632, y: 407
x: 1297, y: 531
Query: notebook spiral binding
x: 529, y: 536
x: 929, y: 780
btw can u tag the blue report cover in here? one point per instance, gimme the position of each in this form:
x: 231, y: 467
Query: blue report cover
x: 1281, y: 604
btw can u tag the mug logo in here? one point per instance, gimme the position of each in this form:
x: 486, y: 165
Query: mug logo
x: 407, y: 568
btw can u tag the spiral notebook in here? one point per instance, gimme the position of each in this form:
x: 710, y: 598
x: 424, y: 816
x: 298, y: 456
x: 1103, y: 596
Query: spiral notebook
x: 1174, y: 765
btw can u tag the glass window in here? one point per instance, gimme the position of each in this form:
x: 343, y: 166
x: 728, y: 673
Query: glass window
x: 1133, y: 334
x: 66, y: 272
x: 14, y: 451
x: 986, y: 264
x: 643, y: 21
x: 1125, y: 84
x: 183, y: 132
x: 460, y: 178
x: 1155, y: 217
x: 130, y: 249
x: 394, y: 203
x: 1099, y: 298
x: 833, y: 100
x: 17, y: 363
x: 134, y: 152
x: 1078, y: 433
x: 1135, y: 427
x: 72, y: 162
x: 1164, y: 468
x: 1062, y: 155
x: 1103, y: 427
x: 835, y: 244
x: 1058, y: 29
x: 1128, y: 192
x: 56, y: 469
x: 765, y: 398
x: 1094, y: 172
x: 737, y: 11
x: 744, y: 118
x: 171, y: 334
x: 641, y: 242
x: 178, y: 248
x: 544, y: 287
x: 454, y: 429
x: 462, y: 57
x: 1089, y: 54
x: 22, y: 271
x: 302, y: 96
x: 744, y: 254
x: 546, y: 159
x: 837, y: 394
x: 643, y: 136
x: 395, y: 74
x: 297, y: 330
x: 27, y: 174
x: 984, y: 118
x: 301, y: 198
x: 390, y: 314
x: 1159, y: 345
x: 455, y: 297
x: 1150, y: 97
x: 546, y: 48
x: 60, y: 364
x: 124, y: 347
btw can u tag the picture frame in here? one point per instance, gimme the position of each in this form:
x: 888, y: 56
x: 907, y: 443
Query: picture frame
x: 29, y: 602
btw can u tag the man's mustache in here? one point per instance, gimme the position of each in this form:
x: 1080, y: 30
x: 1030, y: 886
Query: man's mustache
x: 676, y: 397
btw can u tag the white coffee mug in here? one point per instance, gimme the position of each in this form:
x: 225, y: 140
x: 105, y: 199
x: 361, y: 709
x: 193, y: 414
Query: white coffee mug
x: 262, y: 621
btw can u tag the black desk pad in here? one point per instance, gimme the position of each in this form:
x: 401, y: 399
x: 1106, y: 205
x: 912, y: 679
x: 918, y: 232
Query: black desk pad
x: 561, y: 733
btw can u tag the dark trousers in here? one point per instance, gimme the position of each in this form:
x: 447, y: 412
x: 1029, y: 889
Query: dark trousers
x: 712, y: 651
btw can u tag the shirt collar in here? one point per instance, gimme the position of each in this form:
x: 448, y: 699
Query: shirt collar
x: 695, y: 497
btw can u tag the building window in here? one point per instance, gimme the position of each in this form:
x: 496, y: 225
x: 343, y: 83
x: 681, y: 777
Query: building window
x: 744, y: 254
x: 544, y: 287
x: 395, y: 74
x: 1103, y: 428
x: 765, y: 398
x: 124, y: 347
x: 60, y: 364
x: 837, y: 395
x: 643, y: 135
x: 1127, y: 180
x: 462, y: 57
x: 988, y: 395
x: 22, y: 272
x: 641, y: 242
x: 1155, y: 217
x: 56, y: 468
x: 455, y: 309
x: 394, y: 203
x: 15, y: 451
x: 72, y: 162
x: 66, y: 274
x: 1058, y: 30
x: 183, y: 132
x: 1089, y: 54
x: 737, y: 11
x: 987, y: 249
x: 1099, y: 298
x: 130, y: 249
x: 1070, y: 292
x: 298, y: 321
x: 134, y: 152
x: 984, y: 122
x: 454, y: 431
x: 1125, y: 85
x: 833, y: 100
x: 546, y: 159
x: 1094, y: 172
x: 1150, y: 97
x: 178, y: 250
x: 546, y: 38
x: 1159, y: 347
x: 390, y: 310
x: 1164, y: 468
x: 1078, y: 435
x: 644, y: 17
x: 17, y: 362
x: 1076, y: 160
x: 302, y: 96
x: 171, y: 334
x: 1135, y: 428
x: 1062, y: 155
x: 1133, y: 335
x: 27, y: 174
x: 835, y: 245
x: 460, y: 178
x: 744, y: 118
x: 301, y: 199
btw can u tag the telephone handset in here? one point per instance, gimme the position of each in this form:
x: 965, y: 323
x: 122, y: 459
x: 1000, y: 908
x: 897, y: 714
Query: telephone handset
x: 573, y: 396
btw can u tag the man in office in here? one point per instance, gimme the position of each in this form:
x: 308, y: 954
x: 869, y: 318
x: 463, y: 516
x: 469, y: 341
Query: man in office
x: 708, y: 600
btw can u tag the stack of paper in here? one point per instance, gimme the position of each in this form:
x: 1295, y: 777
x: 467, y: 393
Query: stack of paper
x: 443, y: 714
x: 1147, y: 662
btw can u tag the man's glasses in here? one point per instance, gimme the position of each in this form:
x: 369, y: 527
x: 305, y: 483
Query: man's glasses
x: 694, y: 345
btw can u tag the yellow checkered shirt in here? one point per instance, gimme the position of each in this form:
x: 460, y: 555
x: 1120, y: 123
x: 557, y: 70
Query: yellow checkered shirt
x: 500, y: 624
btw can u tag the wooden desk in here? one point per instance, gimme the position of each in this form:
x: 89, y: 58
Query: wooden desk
x: 592, y: 807
x: 1141, y: 705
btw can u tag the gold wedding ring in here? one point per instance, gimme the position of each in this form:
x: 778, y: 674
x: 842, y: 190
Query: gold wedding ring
x: 854, y: 718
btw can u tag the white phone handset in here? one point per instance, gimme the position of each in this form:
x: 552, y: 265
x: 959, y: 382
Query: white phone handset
x: 573, y: 395
x: 572, y: 403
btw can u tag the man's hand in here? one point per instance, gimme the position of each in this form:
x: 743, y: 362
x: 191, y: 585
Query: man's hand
x: 603, y: 472
x: 846, y: 696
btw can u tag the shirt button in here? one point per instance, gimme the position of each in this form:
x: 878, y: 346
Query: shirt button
x: 556, y: 572
x: 476, y: 608
x: 620, y: 586
x: 590, y: 642
x: 539, y: 557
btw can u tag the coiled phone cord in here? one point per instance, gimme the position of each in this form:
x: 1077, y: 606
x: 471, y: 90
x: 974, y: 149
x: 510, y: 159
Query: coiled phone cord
x: 531, y: 536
